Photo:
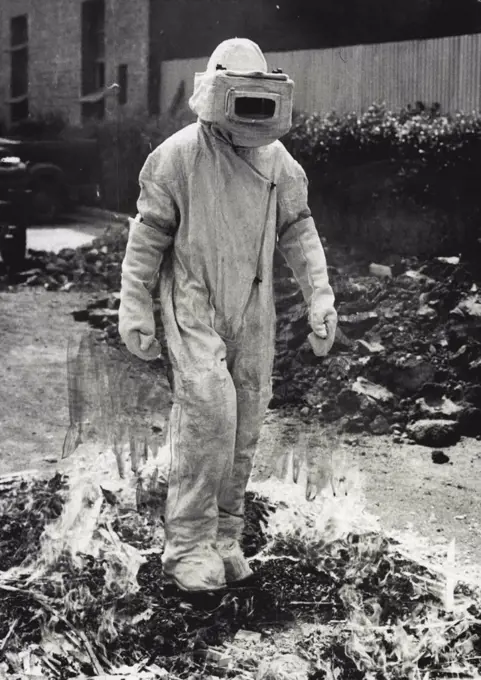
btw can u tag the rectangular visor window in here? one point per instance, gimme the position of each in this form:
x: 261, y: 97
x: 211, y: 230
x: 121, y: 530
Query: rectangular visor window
x: 258, y: 108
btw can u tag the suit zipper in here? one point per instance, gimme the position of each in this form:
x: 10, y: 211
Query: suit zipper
x: 259, y: 274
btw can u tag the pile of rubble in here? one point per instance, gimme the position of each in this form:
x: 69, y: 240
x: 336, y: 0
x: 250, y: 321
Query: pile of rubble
x: 410, y: 340
x: 406, y: 360
x: 94, y: 266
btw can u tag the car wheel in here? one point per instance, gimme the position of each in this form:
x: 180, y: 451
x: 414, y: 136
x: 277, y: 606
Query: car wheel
x: 45, y: 203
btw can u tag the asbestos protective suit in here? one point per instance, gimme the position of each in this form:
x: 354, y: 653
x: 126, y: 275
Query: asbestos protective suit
x: 215, y: 200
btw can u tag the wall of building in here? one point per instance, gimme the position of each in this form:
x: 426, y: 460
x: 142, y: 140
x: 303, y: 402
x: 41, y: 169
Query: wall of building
x: 127, y: 29
x: 55, y: 53
x: 3, y: 67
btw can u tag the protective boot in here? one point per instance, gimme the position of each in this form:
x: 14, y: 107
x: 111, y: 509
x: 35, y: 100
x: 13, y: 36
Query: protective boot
x: 201, y: 570
x: 232, y: 495
x: 251, y: 407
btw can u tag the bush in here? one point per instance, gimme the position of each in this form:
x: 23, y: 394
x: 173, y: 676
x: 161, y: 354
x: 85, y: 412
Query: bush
x: 423, y: 140
x: 404, y: 181
x: 416, y: 162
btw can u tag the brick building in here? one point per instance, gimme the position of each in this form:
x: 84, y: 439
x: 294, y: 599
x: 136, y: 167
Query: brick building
x: 60, y: 55
x: 64, y: 55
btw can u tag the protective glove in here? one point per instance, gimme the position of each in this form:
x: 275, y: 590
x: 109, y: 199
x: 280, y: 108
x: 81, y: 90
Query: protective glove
x: 146, y: 347
x: 323, y: 321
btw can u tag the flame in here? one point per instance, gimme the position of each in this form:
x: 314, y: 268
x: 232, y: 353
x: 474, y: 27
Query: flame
x: 83, y: 535
x: 330, y: 516
x: 435, y: 631
x: 85, y: 525
x: 438, y: 624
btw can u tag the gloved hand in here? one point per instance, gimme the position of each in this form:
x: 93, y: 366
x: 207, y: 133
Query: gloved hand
x: 145, y: 347
x: 141, y: 342
x: 323, y: 320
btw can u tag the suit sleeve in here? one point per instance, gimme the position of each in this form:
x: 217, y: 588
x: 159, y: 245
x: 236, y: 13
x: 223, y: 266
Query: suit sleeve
x: 299, y: 242
x: 151, y: 233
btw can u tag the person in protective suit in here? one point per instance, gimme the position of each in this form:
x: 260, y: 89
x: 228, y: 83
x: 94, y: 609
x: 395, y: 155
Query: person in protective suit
x: 215, y: 200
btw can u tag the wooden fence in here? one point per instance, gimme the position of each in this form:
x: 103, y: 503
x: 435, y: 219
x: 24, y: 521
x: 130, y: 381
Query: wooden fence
x: 443, y: 70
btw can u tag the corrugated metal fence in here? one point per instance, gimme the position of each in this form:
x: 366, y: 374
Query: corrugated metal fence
x: 444, y: 70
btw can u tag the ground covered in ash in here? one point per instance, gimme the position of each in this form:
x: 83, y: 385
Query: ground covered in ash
x: 355, y: 606
x: 407, y: 355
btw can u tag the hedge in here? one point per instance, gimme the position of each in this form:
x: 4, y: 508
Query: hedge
x: 405, y: 181
x: 373, y: 176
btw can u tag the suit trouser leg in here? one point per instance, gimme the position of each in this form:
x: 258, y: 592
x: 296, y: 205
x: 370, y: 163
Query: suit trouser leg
x: 250, y: 364
x: 202, y: 440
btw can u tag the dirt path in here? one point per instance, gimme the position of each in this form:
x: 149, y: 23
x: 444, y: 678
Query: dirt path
x: 34, y: 329
x: 402, y: 484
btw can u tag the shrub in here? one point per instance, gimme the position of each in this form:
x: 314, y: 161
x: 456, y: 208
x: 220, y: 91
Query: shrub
x: 429, y: 138
x: 406, y: 181
x: 417, y: 160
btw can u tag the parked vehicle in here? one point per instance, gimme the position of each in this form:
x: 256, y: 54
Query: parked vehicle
x: 40, y: 179
x: 59, y: 173
x: 14, y: 212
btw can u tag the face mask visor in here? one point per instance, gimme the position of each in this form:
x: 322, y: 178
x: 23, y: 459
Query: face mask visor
x: 244, y: 106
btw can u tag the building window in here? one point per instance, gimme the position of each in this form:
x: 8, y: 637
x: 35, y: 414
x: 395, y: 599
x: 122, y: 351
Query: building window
x: 93, y: 59
x: 122, y: 79
x: 19, y: 68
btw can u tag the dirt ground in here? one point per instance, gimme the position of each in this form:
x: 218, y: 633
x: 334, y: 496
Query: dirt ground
x: 402, y: 484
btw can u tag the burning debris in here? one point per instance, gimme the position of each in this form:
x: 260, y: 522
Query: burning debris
x: 80, y: 571
x: 334, y: 597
